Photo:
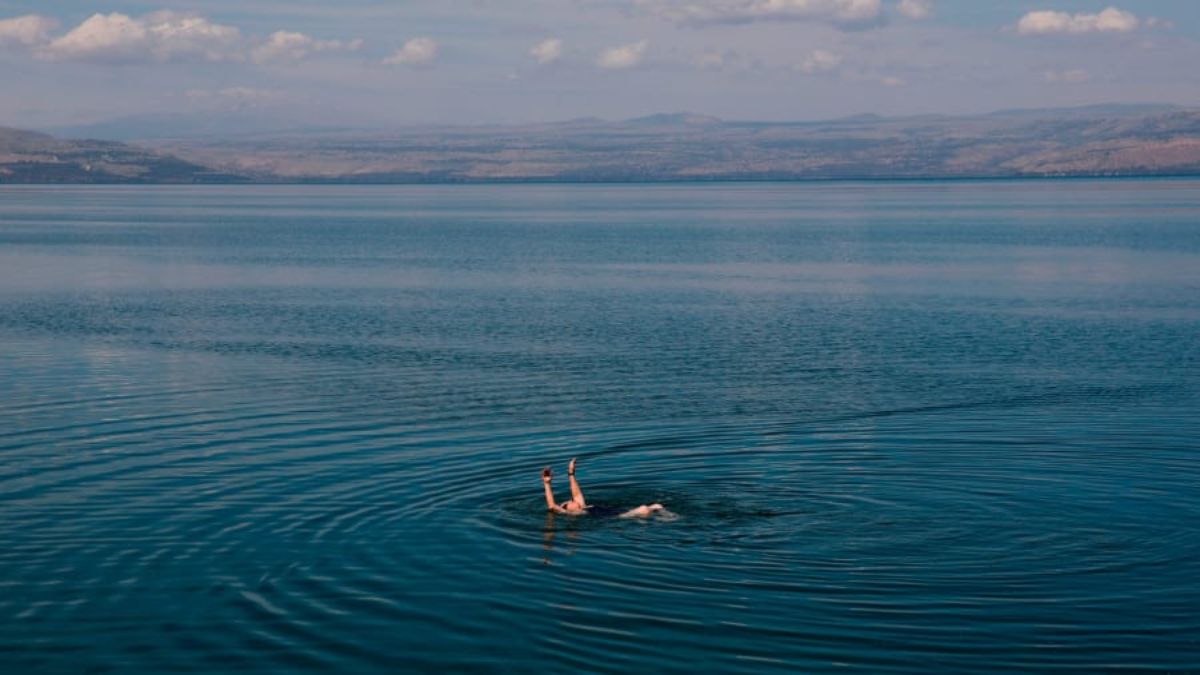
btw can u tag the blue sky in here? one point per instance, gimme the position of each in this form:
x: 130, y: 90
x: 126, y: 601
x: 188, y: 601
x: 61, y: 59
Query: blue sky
x: 374, y: 62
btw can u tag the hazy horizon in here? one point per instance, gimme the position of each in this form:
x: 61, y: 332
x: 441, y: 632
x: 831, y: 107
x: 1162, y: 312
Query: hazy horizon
x: 369, y: 64
x: 254, y: 123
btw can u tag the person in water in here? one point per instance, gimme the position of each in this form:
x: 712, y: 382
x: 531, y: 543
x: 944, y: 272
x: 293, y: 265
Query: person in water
x: 577, y: 506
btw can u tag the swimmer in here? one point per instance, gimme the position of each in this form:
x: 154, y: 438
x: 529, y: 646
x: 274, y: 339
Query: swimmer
x: 577, y: 506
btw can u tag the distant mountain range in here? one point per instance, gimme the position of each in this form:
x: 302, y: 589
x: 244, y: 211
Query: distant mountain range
x: 30, y: 157
x: 1142, y: 140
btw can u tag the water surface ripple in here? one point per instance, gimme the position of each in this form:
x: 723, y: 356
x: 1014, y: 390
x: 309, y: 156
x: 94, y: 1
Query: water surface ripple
x: 904, y: 427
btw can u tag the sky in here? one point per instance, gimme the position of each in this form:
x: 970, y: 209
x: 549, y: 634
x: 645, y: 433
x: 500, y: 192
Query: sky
x: 375, y: 63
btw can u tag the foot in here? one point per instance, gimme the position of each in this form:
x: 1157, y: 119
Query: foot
x: 571, y: 467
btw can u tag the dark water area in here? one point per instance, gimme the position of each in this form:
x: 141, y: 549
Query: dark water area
x: 904, y: 427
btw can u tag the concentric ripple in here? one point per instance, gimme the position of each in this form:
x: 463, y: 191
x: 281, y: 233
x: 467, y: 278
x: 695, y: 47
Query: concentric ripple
x: 235, y: 438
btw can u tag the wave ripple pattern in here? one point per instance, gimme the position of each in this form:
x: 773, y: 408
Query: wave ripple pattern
x: 905, y: 427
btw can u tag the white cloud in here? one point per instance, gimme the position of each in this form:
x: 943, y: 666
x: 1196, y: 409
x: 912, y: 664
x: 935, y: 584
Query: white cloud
x: 547, y: 51
x: 625, y: 56
x: 418, y: 51
x: 847, y: 13
x: 819, y: 61
x: 26, y: 31
x: 1073, y: 76
x: 915, y: 9
x: 1045, y: 22
x: 159, y: 37
x: 288, y: 46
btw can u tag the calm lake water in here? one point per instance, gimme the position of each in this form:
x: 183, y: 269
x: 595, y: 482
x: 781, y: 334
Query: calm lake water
x: 905, y: 427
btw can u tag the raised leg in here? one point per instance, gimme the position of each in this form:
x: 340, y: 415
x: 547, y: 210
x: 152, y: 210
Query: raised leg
x: 576, y: 491
x: 550, y: 504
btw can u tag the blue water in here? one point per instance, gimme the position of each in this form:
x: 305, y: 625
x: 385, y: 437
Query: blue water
x: 905, y: 427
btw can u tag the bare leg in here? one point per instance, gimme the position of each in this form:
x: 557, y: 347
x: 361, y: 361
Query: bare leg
x: 550, y: 504
x: 576, y: 492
